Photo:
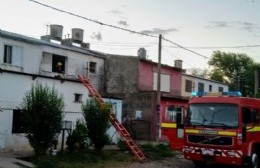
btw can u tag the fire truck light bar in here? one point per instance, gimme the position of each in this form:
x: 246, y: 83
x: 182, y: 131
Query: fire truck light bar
x: 230, y: 93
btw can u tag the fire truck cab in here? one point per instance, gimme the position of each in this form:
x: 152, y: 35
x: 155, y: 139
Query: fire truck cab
x: 172, y: 131
x: 222, y: 128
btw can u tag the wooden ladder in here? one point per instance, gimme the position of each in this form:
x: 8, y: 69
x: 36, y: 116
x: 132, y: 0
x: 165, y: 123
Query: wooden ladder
x: 124, y: 134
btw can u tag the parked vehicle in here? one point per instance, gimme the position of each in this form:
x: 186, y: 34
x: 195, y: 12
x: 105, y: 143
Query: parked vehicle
x: 222, y: 128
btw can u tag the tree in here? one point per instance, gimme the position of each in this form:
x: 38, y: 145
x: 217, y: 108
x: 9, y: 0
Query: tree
x: 42, y: 117
x: 237, y: 69
x: 97, y: 121
x: 217, y: 75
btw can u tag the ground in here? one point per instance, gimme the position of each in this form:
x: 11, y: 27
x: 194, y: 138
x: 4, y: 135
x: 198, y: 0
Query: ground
x: 176, y: 161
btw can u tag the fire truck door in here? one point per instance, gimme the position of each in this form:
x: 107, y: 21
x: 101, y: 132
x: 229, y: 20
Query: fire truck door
x: 179, y: 122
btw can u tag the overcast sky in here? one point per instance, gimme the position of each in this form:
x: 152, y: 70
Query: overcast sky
x: 199, y: 25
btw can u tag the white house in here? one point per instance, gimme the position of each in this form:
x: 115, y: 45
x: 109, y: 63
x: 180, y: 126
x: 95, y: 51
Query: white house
x: 192, y: 83
x: 25, y: 61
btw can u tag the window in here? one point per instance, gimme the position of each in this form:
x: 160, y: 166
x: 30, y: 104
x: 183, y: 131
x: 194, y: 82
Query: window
x: 78, y: 98
x: 13, y: 55
x: 188, y: 85
x: 58, y: 63
x: 170, y: 113
x: 201, y: 87
x: 210, y: 88
x: 8, y: 54
x: 93, y: 67
x: 165, y: 82
x: 17, y: 121
x: 220, y: 89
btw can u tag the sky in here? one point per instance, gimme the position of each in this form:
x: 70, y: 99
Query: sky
x: 200, y: 27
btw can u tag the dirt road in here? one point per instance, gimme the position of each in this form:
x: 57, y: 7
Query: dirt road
x: 176, y: 161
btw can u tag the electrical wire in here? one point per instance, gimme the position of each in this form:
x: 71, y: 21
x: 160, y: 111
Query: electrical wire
x: 116, y: 27
x: 177, y: 57
x: 185, y: 48
x: 246, y: 46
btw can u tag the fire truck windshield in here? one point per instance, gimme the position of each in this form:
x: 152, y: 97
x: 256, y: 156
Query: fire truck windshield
x: 213, y: 115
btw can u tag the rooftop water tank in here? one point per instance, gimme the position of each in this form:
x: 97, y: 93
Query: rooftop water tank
x: 56, y: 31
x: 77, y: 35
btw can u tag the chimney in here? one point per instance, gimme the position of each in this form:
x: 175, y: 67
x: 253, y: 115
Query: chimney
x: 141, y: 53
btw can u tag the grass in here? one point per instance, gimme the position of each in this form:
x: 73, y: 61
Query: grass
x: 104, y: 159
x: 157, y: 152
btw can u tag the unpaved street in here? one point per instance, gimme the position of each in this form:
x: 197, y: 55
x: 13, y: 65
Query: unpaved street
x: 175, y: 162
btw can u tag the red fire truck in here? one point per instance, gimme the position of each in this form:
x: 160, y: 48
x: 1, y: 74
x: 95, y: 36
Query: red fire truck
x: 222, y: 128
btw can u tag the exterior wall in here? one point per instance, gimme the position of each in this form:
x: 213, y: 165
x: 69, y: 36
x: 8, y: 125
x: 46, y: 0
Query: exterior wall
x: 215, y: 85
x: 133, y: 80
x: 138, y: 115
x: 31, y: 67
x: 13, y: 88
x: 147, y: 82
x: 121, y: 74
x: 11, y: 99
x: 32, y: 59
x: 195, y: 82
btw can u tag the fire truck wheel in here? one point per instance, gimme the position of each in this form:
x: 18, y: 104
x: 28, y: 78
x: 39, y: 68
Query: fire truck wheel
x: 255, y: 161
x: 199, y: 164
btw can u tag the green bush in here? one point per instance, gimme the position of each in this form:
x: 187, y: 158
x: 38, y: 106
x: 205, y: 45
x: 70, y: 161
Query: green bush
x: 42, y: 117
x: 77, y: 139
x: 97, y: 121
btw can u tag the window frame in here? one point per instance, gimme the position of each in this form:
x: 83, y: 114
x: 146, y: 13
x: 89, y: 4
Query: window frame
x: 8, y: 52
x: 58, y: 58
x: 201, y: 87
x: 188, y: 85
x: 92, y: 67
x: 78, y: 97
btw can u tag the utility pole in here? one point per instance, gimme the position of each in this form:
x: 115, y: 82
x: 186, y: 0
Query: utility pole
x: 256, y: 82
x: 158, y: 100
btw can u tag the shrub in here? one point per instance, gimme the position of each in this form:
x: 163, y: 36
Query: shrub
x: 97, y: 121
x: 77, y: 139
x: 42, y: 117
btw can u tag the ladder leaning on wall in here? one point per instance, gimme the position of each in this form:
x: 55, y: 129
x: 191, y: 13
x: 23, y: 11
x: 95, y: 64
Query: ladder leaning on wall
x: 124, y: 134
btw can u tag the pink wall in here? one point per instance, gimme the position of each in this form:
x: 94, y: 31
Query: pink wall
x: 146, y: 70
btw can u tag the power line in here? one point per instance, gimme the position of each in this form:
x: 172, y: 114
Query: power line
x: 116, y: 27
x: 177, y: 57
x: 212, y: 47
x: 185, y: 48
x: 92, y: 20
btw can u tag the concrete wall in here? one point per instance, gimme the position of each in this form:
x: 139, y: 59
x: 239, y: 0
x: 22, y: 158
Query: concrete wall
x: 17, y: 85
x: 121, y: 74
x: 32, y: 61
x: 32, y: 68
x: 13, y: 88
x: 140, y: 108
